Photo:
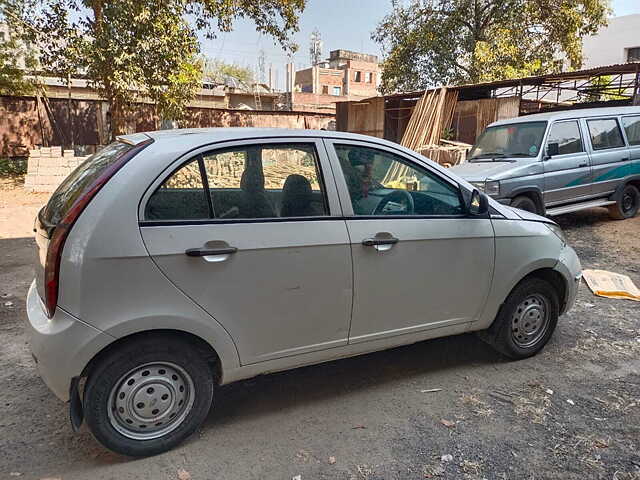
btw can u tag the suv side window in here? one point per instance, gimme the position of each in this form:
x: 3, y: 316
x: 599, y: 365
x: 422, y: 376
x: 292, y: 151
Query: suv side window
x: 605, y: 133
x: 632, y: 129
x: 248, y: 182
x: 567, y: 136
x: 382, y: 183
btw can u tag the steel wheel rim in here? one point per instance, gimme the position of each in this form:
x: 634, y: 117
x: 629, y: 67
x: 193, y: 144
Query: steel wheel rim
x: 530, y: 321
x: 628, y: 202
x: 151, y: 400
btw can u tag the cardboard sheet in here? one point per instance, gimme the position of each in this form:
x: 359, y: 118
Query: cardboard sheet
x: 611, y: 285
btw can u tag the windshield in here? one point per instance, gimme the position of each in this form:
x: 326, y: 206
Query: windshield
x: 504, y: 141
x: 83, y: 176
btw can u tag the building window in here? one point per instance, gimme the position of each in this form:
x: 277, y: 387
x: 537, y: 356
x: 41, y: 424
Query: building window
x: 633, y: 54
x: 336, y: 91
x: 358, y: 77
x: 2, y: 37
x: 368, y: 77
x: 325, y: 89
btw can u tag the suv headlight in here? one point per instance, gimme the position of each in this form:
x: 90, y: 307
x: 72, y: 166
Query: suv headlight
x: 491, y: 188
x: 557, y: 231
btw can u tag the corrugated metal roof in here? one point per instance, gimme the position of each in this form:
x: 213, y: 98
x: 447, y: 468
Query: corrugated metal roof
x: 616, y: 69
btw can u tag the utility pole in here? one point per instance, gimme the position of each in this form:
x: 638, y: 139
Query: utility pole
x: 315, y: 48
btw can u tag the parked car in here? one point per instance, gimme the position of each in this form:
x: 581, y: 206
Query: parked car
x: 173, y: 262
x: 561, y: 162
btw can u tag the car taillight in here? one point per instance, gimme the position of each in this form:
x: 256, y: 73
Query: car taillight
x: 62, y: 229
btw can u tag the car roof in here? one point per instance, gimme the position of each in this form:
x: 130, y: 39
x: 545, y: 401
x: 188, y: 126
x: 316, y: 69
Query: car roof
x: 217, y: 134
x: 567, y: 114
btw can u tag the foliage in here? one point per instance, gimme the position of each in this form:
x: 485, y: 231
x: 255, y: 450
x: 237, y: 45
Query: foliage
x: 135, y: 49
x: 217, y: 70
x: 432, y: 42
x: 17, y: 59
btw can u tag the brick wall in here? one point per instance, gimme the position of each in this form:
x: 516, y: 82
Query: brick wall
x: 48, y: 166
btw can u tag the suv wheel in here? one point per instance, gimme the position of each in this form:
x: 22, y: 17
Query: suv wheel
x: 525, y: 321
x: 148, y: 396
x: 524, y: 203
x: 627, y: 205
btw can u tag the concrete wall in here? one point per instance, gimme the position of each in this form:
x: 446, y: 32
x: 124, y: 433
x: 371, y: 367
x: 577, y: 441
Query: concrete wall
x: 611, y: 44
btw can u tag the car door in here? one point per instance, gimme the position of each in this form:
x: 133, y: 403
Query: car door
x: 252, y: 232
x: 419, y: 262
x: 567, y: 175
x: 631, y: 125
x: 609, y: 154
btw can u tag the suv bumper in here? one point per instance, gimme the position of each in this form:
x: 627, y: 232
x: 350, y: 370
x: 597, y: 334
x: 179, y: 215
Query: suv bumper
x: 61, y: 346
x: 570, y: 268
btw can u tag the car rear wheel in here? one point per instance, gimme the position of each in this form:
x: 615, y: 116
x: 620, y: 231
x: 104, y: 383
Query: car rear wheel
x: 526, y: 320
x: 147, y: 396
x: 524, y: 203
x: 627, y: 205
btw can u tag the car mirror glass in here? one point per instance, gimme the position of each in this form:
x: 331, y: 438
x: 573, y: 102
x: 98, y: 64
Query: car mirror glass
x: 553, y: 149
x: 478, y: 203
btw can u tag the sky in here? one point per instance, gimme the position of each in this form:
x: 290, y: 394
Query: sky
x: 345, y: 24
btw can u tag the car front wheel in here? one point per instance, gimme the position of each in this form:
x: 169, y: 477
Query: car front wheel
x: 524, y: 203
x: 147, y: 396
x: 526, y: 319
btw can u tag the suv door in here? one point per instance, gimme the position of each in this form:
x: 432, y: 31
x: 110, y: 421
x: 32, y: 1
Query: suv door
x: 419, y: 261
x: 609, y: 154
x: 567, y: 176
x: 631, y: 125
x: 252, y: 232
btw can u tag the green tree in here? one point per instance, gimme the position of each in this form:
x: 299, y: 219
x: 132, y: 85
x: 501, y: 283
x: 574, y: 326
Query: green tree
x: 132, y: 49
x: 432, y: 42
x: 17, y: 58
x: 216, y: 71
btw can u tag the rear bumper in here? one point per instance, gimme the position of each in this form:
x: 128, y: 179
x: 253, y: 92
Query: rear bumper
x: 61, y: 346
x: 570, y: 268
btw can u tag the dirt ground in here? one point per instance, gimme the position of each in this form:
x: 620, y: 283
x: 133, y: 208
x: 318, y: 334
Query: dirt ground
x: 572, y: 412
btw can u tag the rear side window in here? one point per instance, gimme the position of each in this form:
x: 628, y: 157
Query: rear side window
x: 248, y: 182
x: 182, y: 196
x: 83, y: 176
x: 567, y: 136
x: 632, y: 128
x: 605, y: 133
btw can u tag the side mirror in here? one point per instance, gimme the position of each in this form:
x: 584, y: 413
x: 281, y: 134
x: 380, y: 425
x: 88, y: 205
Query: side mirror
x: 478, y: 203
x: 553, y: 149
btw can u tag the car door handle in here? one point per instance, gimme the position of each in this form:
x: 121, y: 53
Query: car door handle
x: 372, y: 242
x: 205, y: 252
x: 583, y: 165
x: 625, y: 159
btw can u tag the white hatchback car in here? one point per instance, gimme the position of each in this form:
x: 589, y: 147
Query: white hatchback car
x: 172, y: 262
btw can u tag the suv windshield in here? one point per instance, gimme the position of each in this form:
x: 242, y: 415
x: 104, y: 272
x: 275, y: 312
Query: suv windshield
x: 83, y: 176
x: 504, y: 141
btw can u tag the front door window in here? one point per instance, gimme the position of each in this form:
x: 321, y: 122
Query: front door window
x: 382, y: 183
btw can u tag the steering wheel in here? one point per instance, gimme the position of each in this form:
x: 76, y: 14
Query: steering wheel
x: 400, y: 196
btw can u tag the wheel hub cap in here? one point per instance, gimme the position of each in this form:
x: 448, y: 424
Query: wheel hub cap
x: 151, y: 400
x: 530, y: 320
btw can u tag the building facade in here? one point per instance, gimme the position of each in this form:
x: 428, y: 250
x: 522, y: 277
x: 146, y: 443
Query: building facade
x: 345, y: 76
x: 618, y: 42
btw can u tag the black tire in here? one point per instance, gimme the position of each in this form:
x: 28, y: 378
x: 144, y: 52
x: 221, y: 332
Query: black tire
x: 524, y: 203
x: 501, y: 335
x: 108, y: 375
x: 627, y: 205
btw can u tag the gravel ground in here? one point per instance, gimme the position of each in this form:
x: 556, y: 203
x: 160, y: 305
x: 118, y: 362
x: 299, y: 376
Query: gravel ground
x: 572, y: 412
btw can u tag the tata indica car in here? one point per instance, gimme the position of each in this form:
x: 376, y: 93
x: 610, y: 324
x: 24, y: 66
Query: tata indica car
x: 174, y: 262
x: 560, y: 162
